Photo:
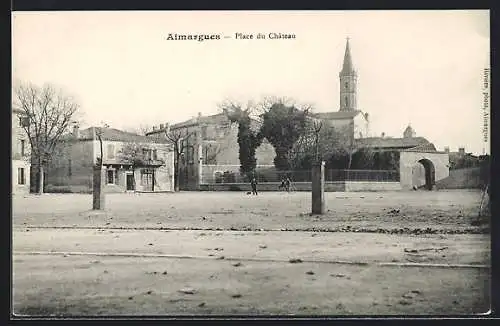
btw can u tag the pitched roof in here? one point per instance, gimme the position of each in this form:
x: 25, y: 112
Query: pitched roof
x: 336, y: 115
x: 398, y: 143
x: 112, y: 134
x: 429, y: 147
x: 215, y: 118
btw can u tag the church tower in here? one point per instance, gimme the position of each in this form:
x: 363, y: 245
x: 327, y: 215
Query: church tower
x: 348, y: 83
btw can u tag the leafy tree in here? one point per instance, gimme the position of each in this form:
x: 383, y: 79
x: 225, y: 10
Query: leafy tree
x: 283, y: 125
x: 249, y: 139
x: 137, y: 155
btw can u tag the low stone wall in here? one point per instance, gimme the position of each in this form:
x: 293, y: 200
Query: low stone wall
x: 306, y: 186
x: 372, y: 186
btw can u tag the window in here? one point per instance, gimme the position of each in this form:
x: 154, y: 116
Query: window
x: 23, y: 149
x: 23, y: 121
x: 346, y: 85
x: 204, y: 132
x: 20, y: 176
x: 346, y: 100
x: 111, y: 151
x: 112, y: 177
x: 155, y: 154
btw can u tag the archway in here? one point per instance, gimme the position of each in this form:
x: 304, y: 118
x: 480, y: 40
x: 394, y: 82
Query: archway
x: 429, y: 173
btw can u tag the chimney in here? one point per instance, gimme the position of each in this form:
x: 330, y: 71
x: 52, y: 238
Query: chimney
x: 154, y: 128
x: 199, y: 114
x: 161, y: 126
x: 76, y: 131
x: 383, y: 135
x: 447, y: 149
x: 461, y: 151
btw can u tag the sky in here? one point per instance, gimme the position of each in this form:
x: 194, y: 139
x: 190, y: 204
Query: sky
x: 424, y: 68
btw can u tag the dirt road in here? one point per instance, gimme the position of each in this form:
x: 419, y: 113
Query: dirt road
x: 246, y: 273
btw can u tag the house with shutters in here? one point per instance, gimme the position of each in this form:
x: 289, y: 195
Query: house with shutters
x: 131, y: 162
x: 20, y: 154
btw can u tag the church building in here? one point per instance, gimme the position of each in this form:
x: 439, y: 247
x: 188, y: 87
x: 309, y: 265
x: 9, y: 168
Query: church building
x: 420, y: 164
x: 348, y: 118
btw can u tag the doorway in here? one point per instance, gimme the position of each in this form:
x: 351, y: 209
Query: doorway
x: 430, y: 173
x: 147, y: 180
x: 130, y: 182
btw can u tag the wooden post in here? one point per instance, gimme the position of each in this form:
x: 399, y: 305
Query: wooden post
x: 98, y: 182
x: 318, y: 187
x: 97, y: 192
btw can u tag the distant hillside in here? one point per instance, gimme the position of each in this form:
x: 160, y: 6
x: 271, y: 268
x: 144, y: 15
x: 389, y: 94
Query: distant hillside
x: 461, y: 179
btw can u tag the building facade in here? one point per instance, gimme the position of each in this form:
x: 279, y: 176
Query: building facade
x: 20, y: 154
x: 210, y: 149
x: 131, y: 162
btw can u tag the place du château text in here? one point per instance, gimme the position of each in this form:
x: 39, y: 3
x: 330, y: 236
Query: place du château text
x: 237, y: 36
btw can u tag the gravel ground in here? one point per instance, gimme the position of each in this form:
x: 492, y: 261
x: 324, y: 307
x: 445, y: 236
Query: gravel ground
x: 384, y: 212
x: 435, y: 249
x: 239, y: 263
x: 82, y: 286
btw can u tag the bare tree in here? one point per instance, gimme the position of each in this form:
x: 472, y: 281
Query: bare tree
x: 210, y: 152
x: 49, y: 114
x: 142, y: 129
x: 178, y: 138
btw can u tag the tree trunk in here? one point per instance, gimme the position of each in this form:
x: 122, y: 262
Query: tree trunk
x: 40, y: 179
x: 153, y: 181
x: 177, y: 175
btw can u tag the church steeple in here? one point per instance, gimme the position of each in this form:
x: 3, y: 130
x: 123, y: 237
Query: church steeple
x: 348, y: 82
x: 347, y: 66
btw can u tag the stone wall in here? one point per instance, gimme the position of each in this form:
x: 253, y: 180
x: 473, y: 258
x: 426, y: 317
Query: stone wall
x: 352, y: 186
x: 18, y: 160
x: 16, y: 187
x: 340, y: 186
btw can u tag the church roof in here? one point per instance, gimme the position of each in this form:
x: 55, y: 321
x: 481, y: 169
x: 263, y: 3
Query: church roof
x: 396, y: 143
x: 336, y: 115
x: 347, y: 66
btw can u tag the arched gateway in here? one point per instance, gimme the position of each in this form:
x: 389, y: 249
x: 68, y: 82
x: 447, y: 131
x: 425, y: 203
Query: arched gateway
x: 422, y: 169
x: 427, y: 179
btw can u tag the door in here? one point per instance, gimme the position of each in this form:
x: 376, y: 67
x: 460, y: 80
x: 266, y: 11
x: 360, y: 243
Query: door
x: 130, y: 182
x: 147, y: 180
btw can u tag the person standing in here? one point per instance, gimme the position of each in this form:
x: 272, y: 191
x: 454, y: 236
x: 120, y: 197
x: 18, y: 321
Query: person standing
x: 253, y: 183
x: 287, y: 183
